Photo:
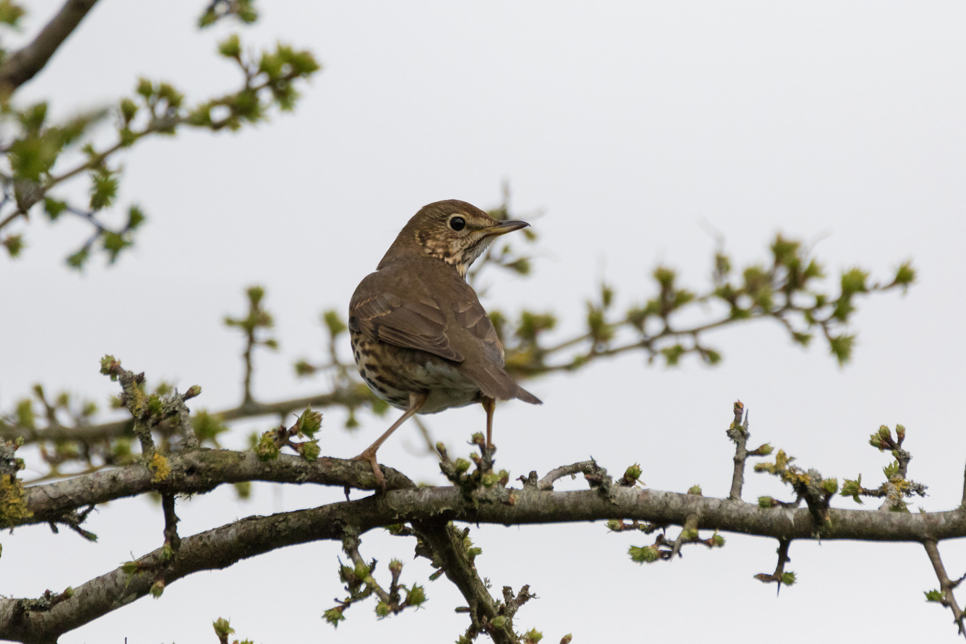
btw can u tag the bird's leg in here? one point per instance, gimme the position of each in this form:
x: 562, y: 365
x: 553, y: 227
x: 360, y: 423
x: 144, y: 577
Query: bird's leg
x: 416, y: 402
x: 489, y: 404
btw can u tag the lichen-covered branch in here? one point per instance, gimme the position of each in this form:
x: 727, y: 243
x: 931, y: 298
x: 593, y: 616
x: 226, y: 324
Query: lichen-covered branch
x: 428, y: 509
x: 192, y: 473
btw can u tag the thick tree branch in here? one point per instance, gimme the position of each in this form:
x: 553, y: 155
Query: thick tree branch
x: 430, y: 508
x: 24, y: 64
x: 192, y: 473
x: 202, y: 471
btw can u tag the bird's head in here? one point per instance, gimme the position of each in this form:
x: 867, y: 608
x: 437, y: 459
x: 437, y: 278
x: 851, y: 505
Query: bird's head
x: 453, y: 231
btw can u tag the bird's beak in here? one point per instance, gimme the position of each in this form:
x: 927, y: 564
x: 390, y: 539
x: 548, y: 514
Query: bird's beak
x: 504, y: 227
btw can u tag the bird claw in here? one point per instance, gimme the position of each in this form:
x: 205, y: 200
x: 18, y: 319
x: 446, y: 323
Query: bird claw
x: 376, y: 470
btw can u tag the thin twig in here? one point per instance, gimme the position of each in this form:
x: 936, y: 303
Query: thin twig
x: 585, y: 467
x: 778, y: 576
x: 738, y: 433
x: 945, y: 585
x: 350, y: 544
x: 446, y: 542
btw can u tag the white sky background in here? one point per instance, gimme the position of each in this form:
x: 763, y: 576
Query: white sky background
x: 633, y: 127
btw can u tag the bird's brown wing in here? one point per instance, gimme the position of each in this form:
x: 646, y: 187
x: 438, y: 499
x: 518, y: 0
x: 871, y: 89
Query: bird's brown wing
x: 408, y: 323
x: 470, y: 315
x: 487, y: 373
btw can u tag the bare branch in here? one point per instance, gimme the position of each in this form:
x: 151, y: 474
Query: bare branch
x: 429, y: 510
x: 349, y: 396
x: 446, y: 542
x: 779, y: 577
x: 738, y: 433
x: 585, y: 467
x: 945, y: 585
x: 23, y: 64
x: 195, y: 472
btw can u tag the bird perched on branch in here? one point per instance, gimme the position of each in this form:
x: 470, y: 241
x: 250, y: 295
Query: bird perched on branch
x: 420, y: 337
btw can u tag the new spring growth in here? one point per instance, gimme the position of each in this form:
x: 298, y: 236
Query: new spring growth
x: 643, y: 554
x: 222, y: 628
x: 631, y: 475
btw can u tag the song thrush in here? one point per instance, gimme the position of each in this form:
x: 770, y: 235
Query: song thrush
x: 420, y: 337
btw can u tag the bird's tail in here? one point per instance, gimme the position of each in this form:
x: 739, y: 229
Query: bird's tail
x: 494, y: 382
x: 526, y: 396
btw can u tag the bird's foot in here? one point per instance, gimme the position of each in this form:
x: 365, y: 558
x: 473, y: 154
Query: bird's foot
x: 370, y: 457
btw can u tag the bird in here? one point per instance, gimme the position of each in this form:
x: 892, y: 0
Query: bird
x: 420, y: 337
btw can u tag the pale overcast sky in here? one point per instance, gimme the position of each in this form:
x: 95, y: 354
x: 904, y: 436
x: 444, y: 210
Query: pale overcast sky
x: 635, y: 128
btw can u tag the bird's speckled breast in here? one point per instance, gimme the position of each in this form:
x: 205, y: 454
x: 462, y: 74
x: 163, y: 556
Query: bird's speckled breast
x: 392, y: 373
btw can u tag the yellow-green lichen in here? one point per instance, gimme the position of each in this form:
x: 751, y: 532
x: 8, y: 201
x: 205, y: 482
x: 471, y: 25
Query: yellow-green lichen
x: 159, y: 465
x: 13, y: 509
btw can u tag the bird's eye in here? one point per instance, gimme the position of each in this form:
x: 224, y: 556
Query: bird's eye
x: 457, y: 223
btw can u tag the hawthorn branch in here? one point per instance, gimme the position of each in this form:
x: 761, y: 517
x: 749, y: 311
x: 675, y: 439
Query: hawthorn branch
x: 778, y: 576
x: 193, y: 473
x: 447, y: 544
x: 23, y: 64
x: 945, y: 584
x: 343, y: 397
x: 583, y: 467
x: 429, y: 510
x: 203, y: 470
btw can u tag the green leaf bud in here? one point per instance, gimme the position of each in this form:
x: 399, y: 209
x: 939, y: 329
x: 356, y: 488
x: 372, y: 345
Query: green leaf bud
x: 230, y: 47
x: 266, y: 449
x: 14, y: 245
x: 108, y: 364
x: 333, y: 321
x: 490, y: 479
x: 310, y: 450
x: 334, y: 616
x: 905, y: 275
x: 222, y: 628
x: 645, y: 554
x: 934, y: 595
x: 309, y: 422
x: 632, y: 473
x: 415, y: 596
